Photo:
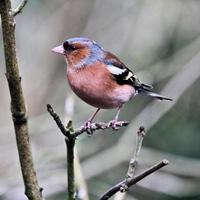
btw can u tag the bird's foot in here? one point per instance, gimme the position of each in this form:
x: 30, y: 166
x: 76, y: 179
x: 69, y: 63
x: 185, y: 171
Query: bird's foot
x: 88, y: 127
x: 117, y: 124
x: 114, y: 124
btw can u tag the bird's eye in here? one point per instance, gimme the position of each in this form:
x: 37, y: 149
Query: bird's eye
x: 68, y: 47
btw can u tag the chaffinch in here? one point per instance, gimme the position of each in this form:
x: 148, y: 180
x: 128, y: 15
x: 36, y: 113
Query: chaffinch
x: 99, y: 78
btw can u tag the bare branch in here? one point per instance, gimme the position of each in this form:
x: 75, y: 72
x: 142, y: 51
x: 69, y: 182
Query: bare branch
x: 19, y: 8
x: 130, y: 178
x: 18, y: 108
x: 80, y: 184
x: 132, y: 181
x: 70, y: 168
x: 70, y: 142
x: 82, y: 129
x: 134, y: 160
x: 99, y: 126
x: 70, y: 136
x: 56, y: 118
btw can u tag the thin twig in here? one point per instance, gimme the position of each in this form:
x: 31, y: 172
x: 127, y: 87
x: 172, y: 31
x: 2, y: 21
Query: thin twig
x: 99, y: 126
x: 82, y: 129
x: 134, y: 180
x: 56, y: 118
x: 19, y: 8
x: 18, y: 108
x: 134, y: 161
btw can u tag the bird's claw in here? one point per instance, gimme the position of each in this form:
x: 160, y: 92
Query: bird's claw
x: 117, y: 124
x: 88, y: 127
x: 114, y: 124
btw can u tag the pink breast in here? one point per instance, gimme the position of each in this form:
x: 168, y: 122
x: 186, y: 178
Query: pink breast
x: 97, y: 88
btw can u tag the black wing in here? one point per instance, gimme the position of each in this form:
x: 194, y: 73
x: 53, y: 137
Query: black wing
x: 122, y: 74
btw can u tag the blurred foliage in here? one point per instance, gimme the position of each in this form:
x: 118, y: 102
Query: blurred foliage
x: 156, y: 39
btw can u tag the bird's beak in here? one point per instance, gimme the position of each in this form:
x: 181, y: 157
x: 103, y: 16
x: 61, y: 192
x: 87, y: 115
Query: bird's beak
x: 59, y: 50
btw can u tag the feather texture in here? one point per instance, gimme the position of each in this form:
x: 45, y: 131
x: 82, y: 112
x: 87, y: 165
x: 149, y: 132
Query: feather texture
x: 121, y: 73
x: 124, y: 76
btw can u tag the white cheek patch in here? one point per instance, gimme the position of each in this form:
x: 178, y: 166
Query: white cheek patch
x: 115, y: 70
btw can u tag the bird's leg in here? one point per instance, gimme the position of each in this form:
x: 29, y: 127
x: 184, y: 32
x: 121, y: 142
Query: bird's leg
x: 88, y: 123
x: 113, y: 123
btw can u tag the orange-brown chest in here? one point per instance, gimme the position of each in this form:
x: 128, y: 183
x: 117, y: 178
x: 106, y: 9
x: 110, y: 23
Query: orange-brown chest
x: 95, y: 85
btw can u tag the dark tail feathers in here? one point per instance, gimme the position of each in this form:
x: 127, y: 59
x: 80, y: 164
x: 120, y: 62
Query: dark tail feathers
x: 155, y: 95
x: 146, y: 90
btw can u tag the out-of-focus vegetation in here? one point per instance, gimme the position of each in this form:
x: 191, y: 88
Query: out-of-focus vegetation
x: 160, y: 41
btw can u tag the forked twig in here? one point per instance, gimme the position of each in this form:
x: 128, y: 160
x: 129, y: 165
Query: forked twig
x: 70, y: 137
x: 133, y: 181
x: 75, y: 133
x: 72, y: 134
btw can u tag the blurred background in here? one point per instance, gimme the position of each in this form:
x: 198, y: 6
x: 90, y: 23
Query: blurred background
x: 160, y: 41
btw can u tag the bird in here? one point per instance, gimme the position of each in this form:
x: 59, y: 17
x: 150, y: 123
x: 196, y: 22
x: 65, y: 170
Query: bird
x: 100, y: 78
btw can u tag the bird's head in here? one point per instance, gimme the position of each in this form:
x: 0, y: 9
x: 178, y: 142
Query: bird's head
x: 80, y: 51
